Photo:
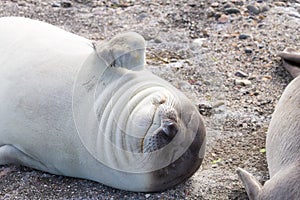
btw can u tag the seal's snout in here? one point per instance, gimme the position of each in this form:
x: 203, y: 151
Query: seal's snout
x: 161, y: 137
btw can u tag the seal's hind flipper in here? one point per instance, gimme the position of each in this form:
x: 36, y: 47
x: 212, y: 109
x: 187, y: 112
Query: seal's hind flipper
x: 252, y: 186
x: 125, y: 50
x: 291, y: 61
x: 12, y: 155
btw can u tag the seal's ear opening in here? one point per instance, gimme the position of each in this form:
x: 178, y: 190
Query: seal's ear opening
x: 125, y: 50
x: 252, y: 186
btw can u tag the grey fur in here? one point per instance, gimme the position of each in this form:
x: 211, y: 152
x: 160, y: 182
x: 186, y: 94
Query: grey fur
x: 282, y: 143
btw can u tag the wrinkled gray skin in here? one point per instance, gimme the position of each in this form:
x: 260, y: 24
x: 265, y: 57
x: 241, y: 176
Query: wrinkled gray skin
x: 73, y: 107
x: 283, y: 142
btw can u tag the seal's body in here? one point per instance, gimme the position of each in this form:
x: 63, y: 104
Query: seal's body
x: 72, y: 108
x: 282, y: 143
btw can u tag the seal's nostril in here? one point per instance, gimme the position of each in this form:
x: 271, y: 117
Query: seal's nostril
x: 170, y: 128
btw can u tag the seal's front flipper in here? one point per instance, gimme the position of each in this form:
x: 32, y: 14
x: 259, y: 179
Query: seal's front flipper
x: 125, y: 50
x: 12, y: 155
x: 252, y: 186
x: 291, y: 61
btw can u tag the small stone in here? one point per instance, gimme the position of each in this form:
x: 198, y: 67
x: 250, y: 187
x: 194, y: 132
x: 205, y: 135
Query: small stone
x: 280, y: 3
x: 21, y: 3
x: 66, y: 4
x: 253, y: 9
x: 218, y: 15
x: 142, y: 16
x: 157, y: 40
x: 265, y: 8
x: 210, y: 12
x: 214, y: 166
x: 244, y: 125
x: 205, y: 108
x: 242, y: 82
x: 147, y: 195
x: 192, y: 5
x: 240, y: 73
x: 215, y: 4
x: 228, y: 5
x: 223, y: 19
x: 266, y: 78
x: 46, y: 175
x: 205, y: 33
x: 234, y: 44
x: 238, y: 2
x: 243, y: 36
x: 199, y: 41
x: 232, y: 11
x: 55, y: 5
x: 260, y: 46
x: 248, y: 50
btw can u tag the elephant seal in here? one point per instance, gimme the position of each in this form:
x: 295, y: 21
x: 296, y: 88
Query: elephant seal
x: 74, y: 107
x: 282, y: 143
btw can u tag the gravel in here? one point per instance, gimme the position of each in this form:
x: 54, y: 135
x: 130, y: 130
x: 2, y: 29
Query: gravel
x: 196, y: 45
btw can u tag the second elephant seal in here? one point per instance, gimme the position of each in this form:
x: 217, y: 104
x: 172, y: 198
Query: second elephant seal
x: 283, y: 142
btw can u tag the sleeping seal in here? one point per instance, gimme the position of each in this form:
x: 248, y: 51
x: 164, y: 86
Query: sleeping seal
x: 73, y: 107
x: 282, y: 143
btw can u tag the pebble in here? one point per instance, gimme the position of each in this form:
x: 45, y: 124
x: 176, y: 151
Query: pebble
x: 248, y: 50
x: 265, y: 8
x: 218, y: 15
x: 210, y: 12
x: 205, y: 108
x: 223, y: 19
x: 214, y: 166
x: 243, y: 36
x: 242, y: 82
x: 260, y: 46
x: 21, y: 3
x: 199, y: 41
x: 232, y: 11
x: 266, y: 78
x: 280, y: 3
x: 215, y: 4
x: 66, y: 4
x: 240, y: 73
x: 228, y: 5
x: 142, y: 16
x: 157, y: 40
x: 253, y: 9
x: 55, y: 5
x: 147, y: 195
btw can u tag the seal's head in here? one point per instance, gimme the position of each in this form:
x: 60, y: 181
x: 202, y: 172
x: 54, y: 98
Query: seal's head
x: 146, y: 127
x: 161, y: 128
